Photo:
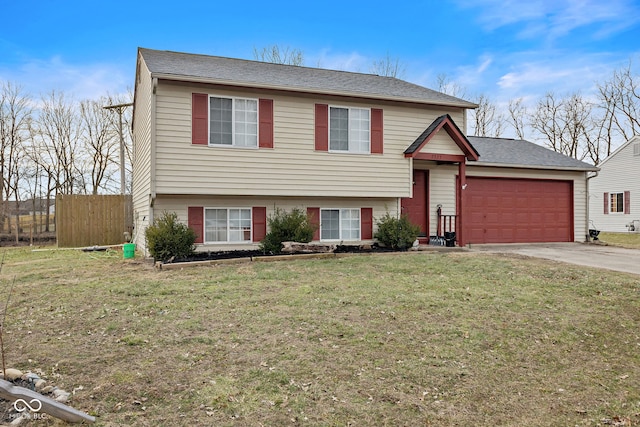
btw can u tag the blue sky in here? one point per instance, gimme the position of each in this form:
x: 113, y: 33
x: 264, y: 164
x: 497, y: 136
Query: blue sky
x: 504, y: 49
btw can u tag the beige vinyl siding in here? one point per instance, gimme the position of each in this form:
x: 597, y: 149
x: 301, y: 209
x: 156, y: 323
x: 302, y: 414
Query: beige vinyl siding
x: 441, y: 143
x: 293, y: 167
x: 180, y: 204
x: 619, y: 173
x: 579, y: 189
x: 141, y: 185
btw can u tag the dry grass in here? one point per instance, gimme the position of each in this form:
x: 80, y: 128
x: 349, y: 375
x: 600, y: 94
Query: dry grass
x: 417, y: 339
x: 625, y: 240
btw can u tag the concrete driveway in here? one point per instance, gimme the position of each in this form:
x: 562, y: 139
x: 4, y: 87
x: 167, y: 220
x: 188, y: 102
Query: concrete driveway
x: 591, y: 255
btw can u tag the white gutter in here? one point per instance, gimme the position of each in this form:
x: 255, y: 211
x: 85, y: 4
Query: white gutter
x: 537, y: 167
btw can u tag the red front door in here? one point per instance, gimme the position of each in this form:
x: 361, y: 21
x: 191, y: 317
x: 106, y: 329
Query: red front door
x: 416, y: 207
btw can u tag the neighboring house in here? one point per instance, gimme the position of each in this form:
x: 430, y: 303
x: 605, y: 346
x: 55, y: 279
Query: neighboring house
x: 224, y: 142
x: 31, y: 206
x: 614, y: 194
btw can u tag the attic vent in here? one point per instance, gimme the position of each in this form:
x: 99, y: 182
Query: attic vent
x: 636, y: 149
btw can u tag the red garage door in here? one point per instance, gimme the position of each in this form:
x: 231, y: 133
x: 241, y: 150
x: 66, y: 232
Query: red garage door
x: 501, y: 210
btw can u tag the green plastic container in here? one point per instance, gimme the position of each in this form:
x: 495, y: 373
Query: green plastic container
x: 129, y: 250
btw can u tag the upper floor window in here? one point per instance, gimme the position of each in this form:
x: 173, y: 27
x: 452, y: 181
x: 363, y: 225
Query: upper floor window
x: 233, y: 122
x: 349, y: 129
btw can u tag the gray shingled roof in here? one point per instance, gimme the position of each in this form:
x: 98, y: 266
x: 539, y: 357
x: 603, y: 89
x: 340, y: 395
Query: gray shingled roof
x: 215, y: 69
x: 520, y: 153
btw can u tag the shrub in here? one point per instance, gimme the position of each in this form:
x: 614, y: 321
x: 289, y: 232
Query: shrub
x: 285, y: 226
x: 396, y: 233
x: 167, y: 237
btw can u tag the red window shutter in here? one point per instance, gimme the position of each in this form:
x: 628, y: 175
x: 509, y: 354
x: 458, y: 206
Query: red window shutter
x: 199, y: 118
x: 265, y: 119
x: 259, y: 218
x: 627, y: 202
x: 366, y: 223
x: 322, y: 127
x: 376, y: 131
x: 314, y: 219
x: 606, y: 203
x: 196, y: 222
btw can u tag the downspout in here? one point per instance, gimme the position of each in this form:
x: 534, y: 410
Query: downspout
x: 462, y: 173
x: 587, y: 207
x: 152, y: 169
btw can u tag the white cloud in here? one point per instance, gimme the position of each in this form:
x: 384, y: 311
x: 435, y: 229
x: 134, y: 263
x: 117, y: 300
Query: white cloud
x: 559, y: 73
x: 552, y: 19
x: 340, y: 61
x: 86, y: 81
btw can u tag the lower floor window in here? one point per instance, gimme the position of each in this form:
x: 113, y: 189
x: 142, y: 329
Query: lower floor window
x: 617, y: 202
x: 340, y: 224
x: 227, y: 225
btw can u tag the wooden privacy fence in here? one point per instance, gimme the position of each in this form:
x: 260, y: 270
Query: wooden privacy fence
x: 89, y: 220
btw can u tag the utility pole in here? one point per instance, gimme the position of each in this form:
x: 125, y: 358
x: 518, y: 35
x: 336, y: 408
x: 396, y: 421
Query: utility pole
x: 120, y: 109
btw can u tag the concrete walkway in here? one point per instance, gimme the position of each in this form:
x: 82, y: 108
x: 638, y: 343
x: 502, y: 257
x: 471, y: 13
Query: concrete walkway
x: 591, y: 255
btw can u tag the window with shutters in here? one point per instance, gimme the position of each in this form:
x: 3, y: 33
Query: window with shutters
x: 224, y: 225
x: 340, y: 224
x: 349, y: 129
x: 233, y: 122
x: 616, y: 202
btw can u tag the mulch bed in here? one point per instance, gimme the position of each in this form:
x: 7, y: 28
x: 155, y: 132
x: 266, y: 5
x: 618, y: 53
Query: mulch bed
x: 218, y: 255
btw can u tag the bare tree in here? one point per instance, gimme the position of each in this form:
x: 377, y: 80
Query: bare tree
x: 278, y: 55
x: 55, y: 145
x: 546, y: 120
x: 487, y: 120
x: 100, y: 143
x: 15, y: 118
x: 619, y: 98
x: 388, y: 67
x: 517, y: 116
x: 444, y: 84
x: 566, y: 125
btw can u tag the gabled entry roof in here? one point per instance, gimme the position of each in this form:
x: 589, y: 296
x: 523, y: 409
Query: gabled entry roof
x: 443, y: 122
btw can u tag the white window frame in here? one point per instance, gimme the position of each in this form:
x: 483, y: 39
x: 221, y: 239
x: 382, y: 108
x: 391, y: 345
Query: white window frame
x: 223, y: 242
x: 350, y: 149
x: 636, y: 148
x: 611, y: 194
x: 340, y: 224
x: 233, y: 122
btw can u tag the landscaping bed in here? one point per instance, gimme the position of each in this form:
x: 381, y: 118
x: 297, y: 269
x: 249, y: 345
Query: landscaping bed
x: 234, y: 254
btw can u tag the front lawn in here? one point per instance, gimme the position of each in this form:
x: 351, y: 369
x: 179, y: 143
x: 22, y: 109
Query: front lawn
x: 625, y: 240
x: 437, y: 339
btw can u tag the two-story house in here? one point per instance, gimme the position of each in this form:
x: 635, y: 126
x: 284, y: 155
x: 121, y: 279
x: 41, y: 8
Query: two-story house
x: 615, y: 190
x: 224, y: 142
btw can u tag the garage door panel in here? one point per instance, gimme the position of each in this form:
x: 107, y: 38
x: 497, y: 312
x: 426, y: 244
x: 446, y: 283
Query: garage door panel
x: 518, y: 210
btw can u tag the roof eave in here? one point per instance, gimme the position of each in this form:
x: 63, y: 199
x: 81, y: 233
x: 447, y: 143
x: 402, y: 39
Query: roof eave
x: 195, y: 79
x: 537, y: 167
